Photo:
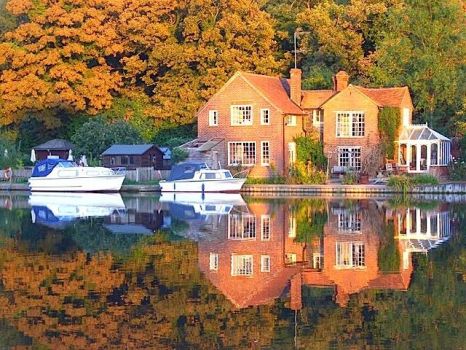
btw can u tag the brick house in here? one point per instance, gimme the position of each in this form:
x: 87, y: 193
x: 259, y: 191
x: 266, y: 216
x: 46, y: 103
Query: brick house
x: 253, y: 119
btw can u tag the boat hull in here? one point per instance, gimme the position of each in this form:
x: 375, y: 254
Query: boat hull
x: 230, y: 185
x: 108, y: 183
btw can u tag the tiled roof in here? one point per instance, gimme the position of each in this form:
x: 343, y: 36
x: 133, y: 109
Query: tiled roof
x: 56, y: 144
x: 385, y: 97
x: 314, y: 98
x: 275, y: 89
x: 126, y: 149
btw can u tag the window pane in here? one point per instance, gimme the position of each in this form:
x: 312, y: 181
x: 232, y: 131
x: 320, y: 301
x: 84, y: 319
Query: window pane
x: 241, y: 115
x: 242, y: 153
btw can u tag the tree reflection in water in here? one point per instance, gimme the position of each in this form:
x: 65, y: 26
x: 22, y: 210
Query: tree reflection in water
x: 269, y: 273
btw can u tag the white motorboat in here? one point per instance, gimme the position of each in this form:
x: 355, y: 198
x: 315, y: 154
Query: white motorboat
x: 197, y: 177
x: 60, y: 175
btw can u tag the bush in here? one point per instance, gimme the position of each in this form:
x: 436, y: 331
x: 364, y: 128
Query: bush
x: 457, y: 170
x: 402, y: 183
x: 425, y: 179
x: 310, y: 151
x: 10, y: 156
x: 274, y: 180
x: 301, y: 174
x: 405, y: 183
x: 350, y: 178
x: 179, y: 154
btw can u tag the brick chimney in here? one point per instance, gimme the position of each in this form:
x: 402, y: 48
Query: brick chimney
x: 295, y: 85
x: 340, y: 81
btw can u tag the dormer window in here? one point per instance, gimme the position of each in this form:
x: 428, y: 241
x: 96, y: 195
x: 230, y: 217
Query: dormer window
x: 265, y: 116
x: 290, y: 120
x: 241, y: 115
x: 213, y: 118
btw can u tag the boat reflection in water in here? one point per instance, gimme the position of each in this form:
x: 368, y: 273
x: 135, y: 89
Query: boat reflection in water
x: 59, y: 209
x: 259, y: 251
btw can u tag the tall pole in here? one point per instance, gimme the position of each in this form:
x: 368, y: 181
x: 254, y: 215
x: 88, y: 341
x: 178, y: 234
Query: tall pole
x: 295, y: 35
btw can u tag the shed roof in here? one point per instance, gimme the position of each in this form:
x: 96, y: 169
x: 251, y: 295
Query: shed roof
x: 128, y: 150
x: 55, y: 144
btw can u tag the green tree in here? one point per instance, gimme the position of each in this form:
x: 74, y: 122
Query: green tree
x: 98, y: 134
x: 423, y: 46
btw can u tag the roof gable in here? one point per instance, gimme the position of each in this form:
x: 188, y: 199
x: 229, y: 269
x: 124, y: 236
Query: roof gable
x: 128, y: 149
x: 350, y: 88
x: 386, y: 97
x: 274, y: 89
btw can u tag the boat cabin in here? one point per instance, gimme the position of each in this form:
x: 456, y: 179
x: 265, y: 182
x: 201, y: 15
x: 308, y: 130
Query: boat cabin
x: 197, y: 171
x: 46, y: 166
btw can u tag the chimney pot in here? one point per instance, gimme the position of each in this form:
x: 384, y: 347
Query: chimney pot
x: 340, y: 81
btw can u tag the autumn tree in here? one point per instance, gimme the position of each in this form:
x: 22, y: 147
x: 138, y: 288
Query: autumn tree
x: 183, y: 51
x: 59, y: 57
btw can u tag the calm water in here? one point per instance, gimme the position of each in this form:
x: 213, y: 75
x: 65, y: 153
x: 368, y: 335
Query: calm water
x: 226, y: 272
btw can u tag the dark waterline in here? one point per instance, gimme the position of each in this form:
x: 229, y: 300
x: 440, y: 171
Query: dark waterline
x: 226, y: 272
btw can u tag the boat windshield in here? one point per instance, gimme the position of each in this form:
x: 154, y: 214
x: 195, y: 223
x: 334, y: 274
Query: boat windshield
x: 227, y: 175
x: 66, y: 165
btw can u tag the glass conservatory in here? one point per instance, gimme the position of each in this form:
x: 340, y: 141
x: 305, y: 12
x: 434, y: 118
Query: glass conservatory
x: 421, y: 148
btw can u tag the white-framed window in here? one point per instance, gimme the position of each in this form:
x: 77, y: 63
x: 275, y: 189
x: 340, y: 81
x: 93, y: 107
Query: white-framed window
x: 292, y: 226
x: 265, y: 116
x: 318, y: 118
x: 241, y: 265
x: 241, y: 227
x: 349, y: 222
x: 290, y: 258
x: 265, y: 263
x: 265, y: 153
x: 213, y: 262
x: 241, y: 115
x: 241, y: 153
x: 292, y: 152
x: 265, y: 228
x: 290, y: 120
x: 350, y: 124
x: 213, y: 118
x: 349, y: 157
x: 350, y: 255
x: 317, y: 261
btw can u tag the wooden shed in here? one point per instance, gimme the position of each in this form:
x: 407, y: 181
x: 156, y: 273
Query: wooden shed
x: 133, y: 156
x: 56, y: 147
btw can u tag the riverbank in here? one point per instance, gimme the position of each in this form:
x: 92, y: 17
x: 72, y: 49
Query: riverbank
x: 445, y: 188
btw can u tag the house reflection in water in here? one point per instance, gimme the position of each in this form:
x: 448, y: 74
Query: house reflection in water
x: 141, y: 216
x: 256, y: 255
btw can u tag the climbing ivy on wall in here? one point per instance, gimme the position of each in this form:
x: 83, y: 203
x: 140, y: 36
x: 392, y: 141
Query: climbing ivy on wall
x: 310, y: 149
x: 389, y: 122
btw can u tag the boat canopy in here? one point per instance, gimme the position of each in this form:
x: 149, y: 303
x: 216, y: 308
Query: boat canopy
x: 185, y: 171
x: 45, y: 167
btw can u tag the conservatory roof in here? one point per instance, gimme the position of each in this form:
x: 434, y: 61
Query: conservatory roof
x: 420, y: 133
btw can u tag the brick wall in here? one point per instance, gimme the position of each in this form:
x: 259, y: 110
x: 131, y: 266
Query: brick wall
x: 238, y: 92
x: 350, y: 100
